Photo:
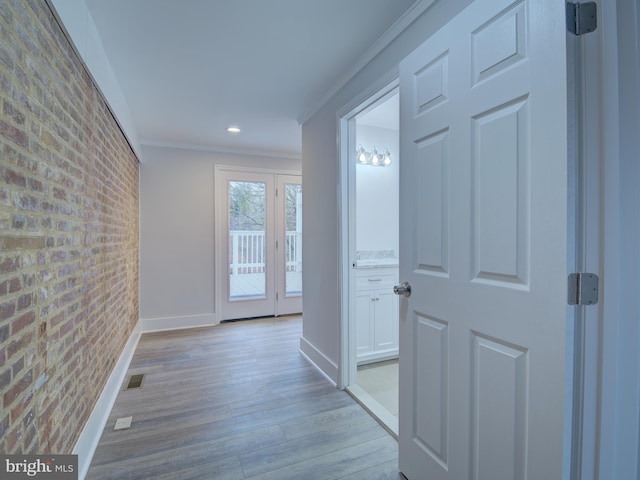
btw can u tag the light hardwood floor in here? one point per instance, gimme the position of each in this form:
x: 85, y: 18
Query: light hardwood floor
x: 238, y: 401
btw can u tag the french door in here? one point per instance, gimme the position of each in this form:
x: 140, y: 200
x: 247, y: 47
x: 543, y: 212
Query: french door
x: 483, y: 182
x: 260, y: 239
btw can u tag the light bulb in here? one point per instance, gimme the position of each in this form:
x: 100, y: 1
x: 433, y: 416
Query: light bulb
x: 375, y: 159
x: 362, y: 156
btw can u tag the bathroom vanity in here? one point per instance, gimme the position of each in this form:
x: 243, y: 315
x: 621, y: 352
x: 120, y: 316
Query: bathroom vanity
x: 376, y: 310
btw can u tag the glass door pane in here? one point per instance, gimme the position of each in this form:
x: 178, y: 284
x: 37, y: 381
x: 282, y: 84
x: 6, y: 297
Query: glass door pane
x: 247, y: 242
x: 289, y: 244
x: 293, y: 239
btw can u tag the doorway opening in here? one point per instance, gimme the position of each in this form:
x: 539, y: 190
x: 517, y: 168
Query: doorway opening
x: 260, y: 234
x: 371, y: 178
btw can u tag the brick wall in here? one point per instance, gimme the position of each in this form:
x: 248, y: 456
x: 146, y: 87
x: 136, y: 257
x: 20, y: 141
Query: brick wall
x: 68, y: 235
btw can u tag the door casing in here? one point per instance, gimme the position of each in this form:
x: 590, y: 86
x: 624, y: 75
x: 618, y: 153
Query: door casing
x: 387, y: 86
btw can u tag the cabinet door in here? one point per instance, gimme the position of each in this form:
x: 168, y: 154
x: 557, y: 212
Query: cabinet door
x: 364, y: 322
x: 386, y: 320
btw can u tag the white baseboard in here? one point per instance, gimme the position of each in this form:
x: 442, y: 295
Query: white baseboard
x: 92, y: 431
x: 319, y: 360
x: 176, y: 323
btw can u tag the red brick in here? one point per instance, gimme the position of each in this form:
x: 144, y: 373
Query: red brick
x: 30, y: 437
x: 7, y: 310
x: 36, y: 185
x: 4, y: 426
x: 20, y: 407
x: 4, y: 332
x: 14, y: 440
x: 18, y: 389
x: 17, y: 367
x: 59, y: 256
x: 17, y: 343
x: 9, y: 264
x: 25, y: 301
x: 69, y: 180
x: 11, y: 112
x: 5, y: 378
x: 9, y: 176
x: 14, y: 285
x: 22, y: 321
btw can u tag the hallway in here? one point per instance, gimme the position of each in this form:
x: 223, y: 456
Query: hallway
x: 238, y: 401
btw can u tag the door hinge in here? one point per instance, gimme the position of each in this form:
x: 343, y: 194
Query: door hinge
x: 582, y: 289
x: 582, y: 17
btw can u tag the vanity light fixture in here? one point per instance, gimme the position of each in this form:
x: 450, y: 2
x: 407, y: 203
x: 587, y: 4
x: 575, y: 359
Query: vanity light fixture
x: 373, y: 157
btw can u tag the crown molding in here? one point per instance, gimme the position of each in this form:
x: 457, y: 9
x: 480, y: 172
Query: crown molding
x: 145, y: 142
x: 384, y: 41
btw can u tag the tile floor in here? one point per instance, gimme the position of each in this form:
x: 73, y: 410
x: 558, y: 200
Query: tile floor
x: 380, y: 380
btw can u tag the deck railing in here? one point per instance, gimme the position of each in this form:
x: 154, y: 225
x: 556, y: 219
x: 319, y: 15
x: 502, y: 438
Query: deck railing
x: 247, y: 251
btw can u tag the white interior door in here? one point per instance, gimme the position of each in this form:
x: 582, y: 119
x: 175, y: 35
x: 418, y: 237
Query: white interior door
x: 483, y: 244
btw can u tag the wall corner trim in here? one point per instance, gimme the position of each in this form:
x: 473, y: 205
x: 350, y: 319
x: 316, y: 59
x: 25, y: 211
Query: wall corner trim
x: 319, y: 360
x: 90, y: 436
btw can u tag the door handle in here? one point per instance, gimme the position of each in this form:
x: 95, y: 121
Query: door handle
x: 403, y: 288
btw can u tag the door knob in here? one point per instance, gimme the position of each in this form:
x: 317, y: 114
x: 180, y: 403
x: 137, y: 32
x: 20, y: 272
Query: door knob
x: 403, y: 288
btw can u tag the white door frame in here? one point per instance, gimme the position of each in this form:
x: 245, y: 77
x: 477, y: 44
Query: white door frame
x: 585, y: 166
x: 618, y: 67
x: 607, y: 441
x: 347, y: 365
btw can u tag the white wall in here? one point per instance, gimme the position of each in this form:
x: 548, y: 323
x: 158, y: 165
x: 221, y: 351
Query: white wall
x: 377, y: 192
x: 177, y: 246
x: 320, y: 168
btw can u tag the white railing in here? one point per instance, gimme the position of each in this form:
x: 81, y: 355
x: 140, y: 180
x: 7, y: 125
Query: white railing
x: 293, y: 251
x: 247, y: 250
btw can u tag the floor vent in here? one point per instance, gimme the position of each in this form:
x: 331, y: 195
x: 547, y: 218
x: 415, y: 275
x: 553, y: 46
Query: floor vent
x: 123, y: 423
x: 135, y: 381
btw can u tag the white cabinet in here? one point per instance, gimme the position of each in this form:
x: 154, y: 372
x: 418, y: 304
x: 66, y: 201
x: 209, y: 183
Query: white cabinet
x: 376, y: 314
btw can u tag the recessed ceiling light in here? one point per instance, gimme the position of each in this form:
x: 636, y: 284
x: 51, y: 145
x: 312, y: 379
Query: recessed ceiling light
x: 233, y: 130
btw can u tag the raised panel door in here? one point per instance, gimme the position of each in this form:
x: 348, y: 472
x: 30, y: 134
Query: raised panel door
x: 483, y: 183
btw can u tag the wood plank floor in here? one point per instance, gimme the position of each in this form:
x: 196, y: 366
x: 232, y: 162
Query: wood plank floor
x: 238, y: 401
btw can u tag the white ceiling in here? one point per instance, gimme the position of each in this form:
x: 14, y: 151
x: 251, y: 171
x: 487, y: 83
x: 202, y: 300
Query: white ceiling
x: 190, y: 68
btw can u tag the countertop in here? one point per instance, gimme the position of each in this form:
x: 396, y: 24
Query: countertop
x: 377, y: 263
